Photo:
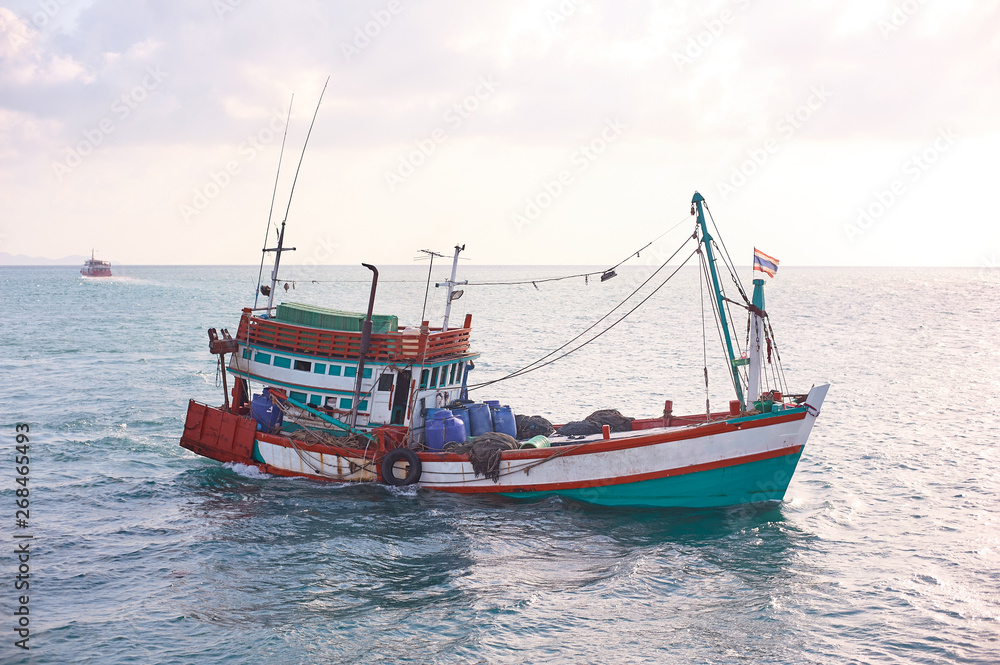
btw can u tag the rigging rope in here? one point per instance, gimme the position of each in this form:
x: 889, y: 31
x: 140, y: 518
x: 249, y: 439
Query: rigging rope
x: 704, y: 339
x: 535, y: 365
x: 584, y: 274
x: 718, y: 326
x: 535, y: 281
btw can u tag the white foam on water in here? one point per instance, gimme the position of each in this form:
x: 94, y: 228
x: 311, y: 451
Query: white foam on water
x: 246, y: 470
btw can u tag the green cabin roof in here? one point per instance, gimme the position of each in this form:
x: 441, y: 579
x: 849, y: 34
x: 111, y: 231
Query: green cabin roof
x: 333, y: 319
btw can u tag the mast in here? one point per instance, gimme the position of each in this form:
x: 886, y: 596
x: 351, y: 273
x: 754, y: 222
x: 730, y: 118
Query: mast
x: 706, y: 240
x: 277, y: 260
x: 451, y: 283
x: 756, y: 339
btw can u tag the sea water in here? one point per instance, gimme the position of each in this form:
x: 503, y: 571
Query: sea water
x: 886, y: 547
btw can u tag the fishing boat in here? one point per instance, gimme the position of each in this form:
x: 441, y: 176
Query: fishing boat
x: 95, y: 267
x: 353, y: 397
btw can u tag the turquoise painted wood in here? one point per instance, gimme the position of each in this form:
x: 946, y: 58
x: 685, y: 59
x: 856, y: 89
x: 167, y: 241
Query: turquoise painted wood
x: 706, y: 241
x: 764, y: 480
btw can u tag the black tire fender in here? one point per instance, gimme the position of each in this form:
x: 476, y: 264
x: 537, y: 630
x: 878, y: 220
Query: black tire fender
x: 386, y: 468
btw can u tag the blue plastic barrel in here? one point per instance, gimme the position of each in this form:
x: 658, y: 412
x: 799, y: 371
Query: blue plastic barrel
x: 454, y: 429
x: 503, y: 421
x: 462, y: 413
x: 434, y: 432
x: 492, y: 403
x: 480, y: 421
x: 263, y: 410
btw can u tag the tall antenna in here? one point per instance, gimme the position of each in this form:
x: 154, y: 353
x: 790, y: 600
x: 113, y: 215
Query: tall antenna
x: 270, y: 211
x: 428, y: 289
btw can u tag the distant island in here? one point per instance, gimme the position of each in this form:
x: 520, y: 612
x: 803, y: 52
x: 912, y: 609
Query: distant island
x: 7, y: 259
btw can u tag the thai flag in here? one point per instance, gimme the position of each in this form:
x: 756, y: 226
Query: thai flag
x: 764, y: 263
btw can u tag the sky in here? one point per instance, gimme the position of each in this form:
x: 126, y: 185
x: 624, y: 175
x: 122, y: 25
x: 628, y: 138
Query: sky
x: 849, y: 133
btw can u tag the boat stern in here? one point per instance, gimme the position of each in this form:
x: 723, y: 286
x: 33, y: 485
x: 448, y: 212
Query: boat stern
x: 219, y: 435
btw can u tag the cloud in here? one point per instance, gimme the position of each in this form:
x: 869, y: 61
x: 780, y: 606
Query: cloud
x: 24, y: 63
x: 698, y: 84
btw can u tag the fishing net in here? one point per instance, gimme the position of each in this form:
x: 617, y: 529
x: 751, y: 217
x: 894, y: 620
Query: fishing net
x: 485, y: 453
x: 579, y: 428
x: 595, y: 422
x: 529, y: 426
x: 613, y: 418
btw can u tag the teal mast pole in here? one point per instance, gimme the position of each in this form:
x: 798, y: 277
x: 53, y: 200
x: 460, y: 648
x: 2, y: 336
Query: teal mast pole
x: 706, y: 240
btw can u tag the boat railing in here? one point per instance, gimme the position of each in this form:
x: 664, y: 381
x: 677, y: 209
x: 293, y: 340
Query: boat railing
x: 406, y: 345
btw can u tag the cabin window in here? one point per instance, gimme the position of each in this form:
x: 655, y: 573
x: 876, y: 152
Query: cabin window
x: 363, y: 405
x: 385, y: 383
x: 331, y: 402
x: 315, y: 400
x: 451, y: 377
x: 423, y: 378
x: 350, y: 371
x: 319, y: 368
x: 298, y: 397
x: 334, y: 370
x: 246, y: 353
x: 367, y: 374
x: 345, y: 402
x: 458, y: 374
x: 282, y: 362
x: 444, y: 375
x: 264, y: 358
x: 303, y: 365
x: 434, y: 377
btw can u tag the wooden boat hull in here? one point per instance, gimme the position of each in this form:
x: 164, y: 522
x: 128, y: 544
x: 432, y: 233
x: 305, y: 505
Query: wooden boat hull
x: 740, y: 460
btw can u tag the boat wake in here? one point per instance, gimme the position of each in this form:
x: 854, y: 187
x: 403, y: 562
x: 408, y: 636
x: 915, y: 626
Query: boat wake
x: 246, y: 470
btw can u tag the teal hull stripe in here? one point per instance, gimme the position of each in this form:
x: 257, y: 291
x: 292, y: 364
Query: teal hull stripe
x: 292, y: 386
x: 256, y: 456
x: 763, y: 480
x: 349, y: 361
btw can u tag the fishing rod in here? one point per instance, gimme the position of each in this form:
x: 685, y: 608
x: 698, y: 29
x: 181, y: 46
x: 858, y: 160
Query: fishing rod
x: 270, y: 211
x: 281, y: 235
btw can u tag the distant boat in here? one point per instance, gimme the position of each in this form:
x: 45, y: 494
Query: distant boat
x: 95, y: 267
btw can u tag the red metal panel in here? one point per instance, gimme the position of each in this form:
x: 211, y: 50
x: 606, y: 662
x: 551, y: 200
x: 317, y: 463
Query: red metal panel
x: 218, y: 434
